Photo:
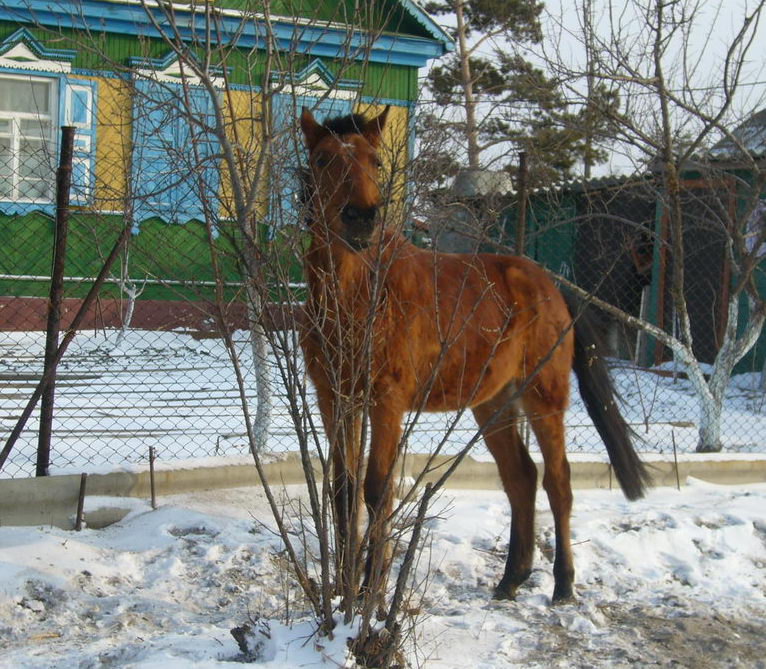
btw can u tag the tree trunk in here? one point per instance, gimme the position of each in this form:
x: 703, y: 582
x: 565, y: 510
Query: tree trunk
x: 710, y: 400
x: 710, y: 424
x: 466, y: 83
x: 131, y: 293
x: 263, y: 391
x: 733, y: 349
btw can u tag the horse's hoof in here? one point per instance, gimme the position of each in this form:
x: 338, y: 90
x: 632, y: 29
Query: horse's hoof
x: 504, y: 592
x: 565, y: 597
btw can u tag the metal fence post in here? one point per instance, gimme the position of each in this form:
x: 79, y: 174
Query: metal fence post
x: 521, y: 220
x: 63, y: 186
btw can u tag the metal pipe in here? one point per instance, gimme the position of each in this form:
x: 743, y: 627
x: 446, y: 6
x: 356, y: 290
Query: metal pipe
x: 55, y: 299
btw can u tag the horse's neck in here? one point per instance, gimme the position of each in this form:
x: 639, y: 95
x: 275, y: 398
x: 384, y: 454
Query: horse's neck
x: 334, y: 268
x: 336, y: 275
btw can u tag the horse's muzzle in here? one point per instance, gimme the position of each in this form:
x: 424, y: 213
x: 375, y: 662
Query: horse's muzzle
x: 359, y: 224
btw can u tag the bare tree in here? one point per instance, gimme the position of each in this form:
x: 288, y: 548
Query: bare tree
x: 218, y: 144
x: 492, y: 100
x: 248, y: 141
x: 674, y: 103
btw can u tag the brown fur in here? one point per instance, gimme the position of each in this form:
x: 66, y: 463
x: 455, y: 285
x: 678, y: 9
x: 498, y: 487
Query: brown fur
x: 405, y: 329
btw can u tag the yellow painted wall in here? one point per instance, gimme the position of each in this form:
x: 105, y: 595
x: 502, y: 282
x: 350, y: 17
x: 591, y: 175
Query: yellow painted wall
x: 394, y: 153
x: 243, y: 117
x: 113, y: 143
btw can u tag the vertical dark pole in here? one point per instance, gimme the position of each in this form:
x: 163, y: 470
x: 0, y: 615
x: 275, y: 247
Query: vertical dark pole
x: 63, y: 184
x: 521, y: 217
x: 521, y: 231
x: 80, y: 502
x: 151, y: 477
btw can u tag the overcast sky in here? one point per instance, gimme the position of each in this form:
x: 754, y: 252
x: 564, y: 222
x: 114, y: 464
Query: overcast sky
x: 715, y: 25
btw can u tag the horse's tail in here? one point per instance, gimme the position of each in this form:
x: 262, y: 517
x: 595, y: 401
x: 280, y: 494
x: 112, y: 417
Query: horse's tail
x: 600, y: 398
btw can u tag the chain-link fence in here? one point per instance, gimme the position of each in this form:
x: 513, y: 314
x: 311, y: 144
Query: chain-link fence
x: 164, y: 356
x: 119, y: 393
x: 611, y: 237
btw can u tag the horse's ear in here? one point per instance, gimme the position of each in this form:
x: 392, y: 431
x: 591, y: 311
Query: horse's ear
x: 312, y: 131
x: 373, y: 129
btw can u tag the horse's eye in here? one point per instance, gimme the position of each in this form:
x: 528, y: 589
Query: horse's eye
x: 322, y: 161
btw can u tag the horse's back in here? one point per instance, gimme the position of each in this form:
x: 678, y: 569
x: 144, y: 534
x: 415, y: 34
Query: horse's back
x: 470, y: 325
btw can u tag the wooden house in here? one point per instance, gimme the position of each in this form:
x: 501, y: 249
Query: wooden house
x: 113, y: 69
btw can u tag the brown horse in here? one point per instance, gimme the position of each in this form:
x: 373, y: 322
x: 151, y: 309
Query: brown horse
x: 393, y: 328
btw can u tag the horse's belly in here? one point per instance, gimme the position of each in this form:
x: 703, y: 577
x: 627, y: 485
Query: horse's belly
x: 457, y: 389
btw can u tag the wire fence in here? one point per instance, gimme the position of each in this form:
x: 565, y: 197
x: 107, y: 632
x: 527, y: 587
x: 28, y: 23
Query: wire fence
x: 176, y: 391
x: 148, y: 366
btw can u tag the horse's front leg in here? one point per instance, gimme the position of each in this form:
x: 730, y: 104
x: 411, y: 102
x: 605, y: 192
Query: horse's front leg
x: 385, y: 432
x: 346, y: 492
x: 342, y: 424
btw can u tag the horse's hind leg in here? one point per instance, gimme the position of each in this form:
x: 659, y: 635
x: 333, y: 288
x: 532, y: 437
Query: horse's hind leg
x: 545, y: 411
x: 519, y: 476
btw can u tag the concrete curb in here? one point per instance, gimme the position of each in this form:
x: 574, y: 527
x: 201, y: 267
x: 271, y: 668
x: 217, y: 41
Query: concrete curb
x: 52, y: 500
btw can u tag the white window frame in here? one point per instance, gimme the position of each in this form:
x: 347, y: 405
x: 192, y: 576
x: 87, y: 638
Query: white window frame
x: 15, y: 117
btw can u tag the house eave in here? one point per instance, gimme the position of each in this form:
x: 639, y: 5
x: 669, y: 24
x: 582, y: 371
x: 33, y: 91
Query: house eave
x: 246, y: 30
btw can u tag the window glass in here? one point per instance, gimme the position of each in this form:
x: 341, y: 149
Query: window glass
x: 34, y: 169
x: 27, y: 161
x: 18, y: 95
x: 35, y: 127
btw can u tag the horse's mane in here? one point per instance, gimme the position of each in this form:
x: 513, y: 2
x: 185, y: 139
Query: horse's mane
x: 351, y: 124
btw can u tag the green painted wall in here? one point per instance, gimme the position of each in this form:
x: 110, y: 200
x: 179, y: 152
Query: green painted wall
x: 550, y: 236
x: 754, y: 361
x: 160, y: 251
x: 110, y: 53
x: 550, y: 232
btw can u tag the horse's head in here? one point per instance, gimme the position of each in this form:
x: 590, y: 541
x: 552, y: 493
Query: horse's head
x: 344, y: 166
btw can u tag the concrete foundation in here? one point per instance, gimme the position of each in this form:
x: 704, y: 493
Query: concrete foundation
x: 52, y: 500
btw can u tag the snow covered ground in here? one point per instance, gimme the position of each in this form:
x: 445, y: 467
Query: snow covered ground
x: 676, y: 579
